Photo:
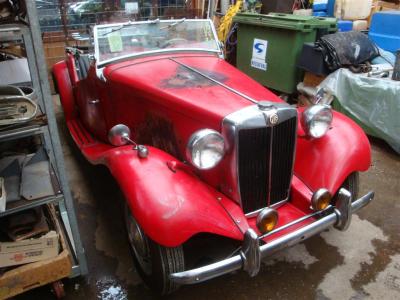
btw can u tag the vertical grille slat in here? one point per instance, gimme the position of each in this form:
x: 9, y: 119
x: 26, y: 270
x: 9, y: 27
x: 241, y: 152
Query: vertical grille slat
x: 254, y: 149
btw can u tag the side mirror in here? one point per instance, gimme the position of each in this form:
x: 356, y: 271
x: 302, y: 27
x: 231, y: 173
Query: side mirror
x: 119, y: 135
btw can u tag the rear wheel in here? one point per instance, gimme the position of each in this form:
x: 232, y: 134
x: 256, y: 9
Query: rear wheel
x: 154, y: 262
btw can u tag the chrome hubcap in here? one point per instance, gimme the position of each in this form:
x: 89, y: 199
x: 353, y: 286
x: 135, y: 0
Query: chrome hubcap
x: 138, y: 243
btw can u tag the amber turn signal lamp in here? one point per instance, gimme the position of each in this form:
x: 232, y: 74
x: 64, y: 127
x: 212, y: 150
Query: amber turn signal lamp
x: 267, y: 220
x: 321, y: 199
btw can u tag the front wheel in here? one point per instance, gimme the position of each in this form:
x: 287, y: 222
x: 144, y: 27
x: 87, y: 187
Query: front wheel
x: 154, y: 262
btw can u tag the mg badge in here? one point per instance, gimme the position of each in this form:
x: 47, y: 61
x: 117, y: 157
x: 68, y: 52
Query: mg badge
x: 273, y: 119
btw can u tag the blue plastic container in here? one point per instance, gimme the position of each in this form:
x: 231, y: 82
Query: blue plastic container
x: 320, y: 6
x: 384, y: 30
x: 320, y: 14
x: 344, y: 25
x: 331, y: 8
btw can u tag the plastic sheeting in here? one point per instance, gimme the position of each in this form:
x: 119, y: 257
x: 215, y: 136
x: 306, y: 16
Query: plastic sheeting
x: 384, y: 57
x: 373, y: 102
x: 345, y: 49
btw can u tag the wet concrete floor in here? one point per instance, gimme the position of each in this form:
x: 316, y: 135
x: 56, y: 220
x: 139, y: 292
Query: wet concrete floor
x: 361, y: 263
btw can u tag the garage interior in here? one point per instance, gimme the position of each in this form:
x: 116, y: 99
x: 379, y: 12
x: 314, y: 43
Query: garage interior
x: 86, y: 206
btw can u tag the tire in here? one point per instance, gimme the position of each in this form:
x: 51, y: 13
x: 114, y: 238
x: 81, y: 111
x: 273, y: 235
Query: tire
x: 153, y: 261
x: 352, y: 184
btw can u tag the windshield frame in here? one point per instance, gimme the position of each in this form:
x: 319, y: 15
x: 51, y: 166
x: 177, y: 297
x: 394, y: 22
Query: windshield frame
x: 103, y: 63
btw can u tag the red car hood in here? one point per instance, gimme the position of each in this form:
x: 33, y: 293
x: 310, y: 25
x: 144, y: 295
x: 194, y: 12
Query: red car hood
x: 166, y: 80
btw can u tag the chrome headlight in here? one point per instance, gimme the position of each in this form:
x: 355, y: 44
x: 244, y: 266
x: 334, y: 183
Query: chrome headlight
x: 205, y: 148
x: 316, y: 120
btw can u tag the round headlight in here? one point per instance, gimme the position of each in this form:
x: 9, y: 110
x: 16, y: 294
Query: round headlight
x: 205, y: 148
x: 316, y: 120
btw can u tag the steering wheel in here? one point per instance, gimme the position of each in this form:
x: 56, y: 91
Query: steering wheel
x: 173, y: 41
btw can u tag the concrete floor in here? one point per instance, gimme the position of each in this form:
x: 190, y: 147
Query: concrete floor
x: 362, y: 263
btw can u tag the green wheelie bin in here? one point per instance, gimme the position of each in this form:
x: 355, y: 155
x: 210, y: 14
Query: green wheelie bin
x: 269, y: 46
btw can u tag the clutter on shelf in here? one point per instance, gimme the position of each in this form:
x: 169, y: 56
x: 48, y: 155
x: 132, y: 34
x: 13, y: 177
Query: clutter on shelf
x: 16, y: 109
x: 12, y: 11
x: 38, y: 259
x: 26, y: 237
x: 39, y: 238
x: 28, y: 177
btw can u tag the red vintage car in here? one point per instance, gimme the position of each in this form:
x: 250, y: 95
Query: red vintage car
x: 199, y: 149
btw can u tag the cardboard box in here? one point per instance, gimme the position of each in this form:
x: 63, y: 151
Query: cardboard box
x: 29, y: 276
x: 312, y: 80
x: 384, y: 5
x: 31, y: 250
x: 381, y: 6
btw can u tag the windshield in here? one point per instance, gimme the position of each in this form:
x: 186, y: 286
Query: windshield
x: 115, y: 41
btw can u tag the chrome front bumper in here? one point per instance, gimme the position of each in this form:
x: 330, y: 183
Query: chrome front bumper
x: 251, y: 254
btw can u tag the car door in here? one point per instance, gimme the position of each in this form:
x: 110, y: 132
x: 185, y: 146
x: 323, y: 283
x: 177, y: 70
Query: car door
x: 89, y: 100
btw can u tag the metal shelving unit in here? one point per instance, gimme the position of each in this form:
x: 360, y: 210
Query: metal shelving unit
x: 46, y: 128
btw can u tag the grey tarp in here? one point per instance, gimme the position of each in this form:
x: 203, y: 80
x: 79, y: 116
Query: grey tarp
x: 375, y: 102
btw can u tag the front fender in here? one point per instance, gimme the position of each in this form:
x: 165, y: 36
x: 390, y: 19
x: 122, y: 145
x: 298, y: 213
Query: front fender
x: 326, y: 162
x: 170, y: 206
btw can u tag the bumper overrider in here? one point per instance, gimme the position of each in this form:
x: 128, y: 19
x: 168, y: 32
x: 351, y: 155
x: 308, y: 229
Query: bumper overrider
x: 251, y: 254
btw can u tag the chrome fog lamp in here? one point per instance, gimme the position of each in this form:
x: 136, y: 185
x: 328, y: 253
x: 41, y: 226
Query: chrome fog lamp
x: 267, y: 220
x: 316, y: 120
x: 321, y: 199
x: 205, y: 148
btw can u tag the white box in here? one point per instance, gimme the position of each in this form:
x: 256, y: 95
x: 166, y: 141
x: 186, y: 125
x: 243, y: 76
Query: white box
x: 131, y: 7
x: 14, y: 71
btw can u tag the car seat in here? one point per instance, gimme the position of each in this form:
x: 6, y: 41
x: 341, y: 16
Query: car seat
x: 82, y: 65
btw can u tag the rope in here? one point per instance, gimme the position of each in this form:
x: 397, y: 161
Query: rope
x: 226, y: 21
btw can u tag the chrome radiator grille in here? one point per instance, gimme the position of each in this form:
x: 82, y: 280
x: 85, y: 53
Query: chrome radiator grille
x: 263, y: 155
x: 283, y: 146
x: 253, y: 162
x: 261, y: 183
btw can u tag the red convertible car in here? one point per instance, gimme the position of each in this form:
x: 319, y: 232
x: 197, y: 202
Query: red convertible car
x: 199, y: 149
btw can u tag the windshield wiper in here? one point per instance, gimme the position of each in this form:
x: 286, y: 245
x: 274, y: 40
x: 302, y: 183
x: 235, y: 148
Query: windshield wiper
x: 128, y: 25
x: 173, y: 24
